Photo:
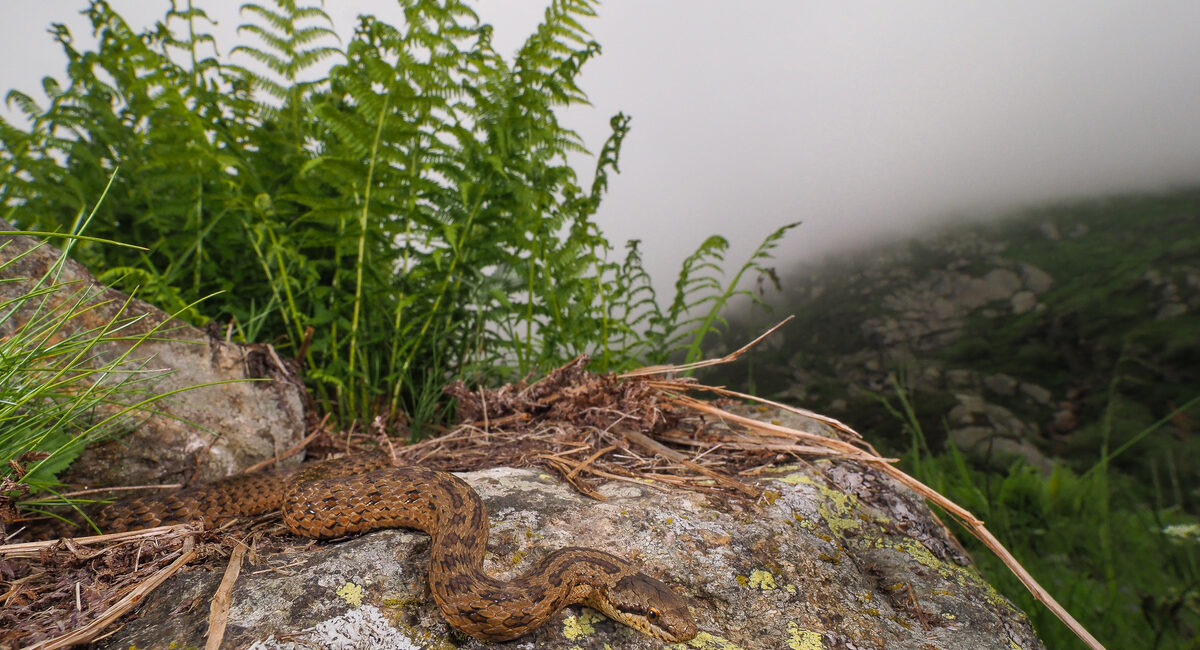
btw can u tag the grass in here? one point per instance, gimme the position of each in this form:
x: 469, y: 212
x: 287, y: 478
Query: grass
x: 66, y: 381
x: 1127, y: 569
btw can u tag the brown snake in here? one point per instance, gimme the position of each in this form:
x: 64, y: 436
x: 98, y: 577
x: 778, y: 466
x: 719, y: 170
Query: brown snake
x: 356, y: 494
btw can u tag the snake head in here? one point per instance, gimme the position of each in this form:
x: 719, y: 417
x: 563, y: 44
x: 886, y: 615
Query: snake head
x: 647, y: 605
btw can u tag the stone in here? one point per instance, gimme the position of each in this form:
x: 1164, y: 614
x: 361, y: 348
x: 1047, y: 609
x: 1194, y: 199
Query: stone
x: 1038, y: 394
x: 1023, y: 302
x: 1035, y: 279
x: 1001, y: 384
x: 959, y: 378
x: 1171, y: 310
x: 1050, y: 231
x: 985, y: 441
x: 208, y: 432
x: 969, y: 410
x: 1065, y: 420
x: 819, y: 561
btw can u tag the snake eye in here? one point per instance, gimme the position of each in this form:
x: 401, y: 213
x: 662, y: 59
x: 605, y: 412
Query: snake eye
x: 652, y: 614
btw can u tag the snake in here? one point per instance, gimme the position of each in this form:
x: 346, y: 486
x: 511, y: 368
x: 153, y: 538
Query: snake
x: 355, y: 494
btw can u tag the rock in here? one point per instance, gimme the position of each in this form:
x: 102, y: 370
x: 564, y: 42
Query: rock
x: 819, y: 561
x: 1035, y: 279
x: 1001, y: 384
x: 959, y: 378
x: 1050, y: 231
x: 988, y: 442
x: 1023, y: 302
x: 969, y: 410
x: 1171, y: 310
x: 999, y: 284
x: 984, y: 429
x: 1038, y: 394
x: 1065, y: 420
x: 217, y: 430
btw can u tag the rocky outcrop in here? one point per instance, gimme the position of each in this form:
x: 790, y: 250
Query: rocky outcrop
x: 236, y: 404
x: 832, y: 556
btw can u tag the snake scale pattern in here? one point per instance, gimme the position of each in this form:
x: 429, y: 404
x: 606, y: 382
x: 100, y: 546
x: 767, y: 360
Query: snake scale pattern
x: 355, y: 494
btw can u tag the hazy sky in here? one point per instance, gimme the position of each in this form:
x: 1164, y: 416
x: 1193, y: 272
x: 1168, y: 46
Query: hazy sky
x: 855, y: 117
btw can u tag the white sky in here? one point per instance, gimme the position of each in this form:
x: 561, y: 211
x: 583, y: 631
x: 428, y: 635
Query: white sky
x: 859, y: 118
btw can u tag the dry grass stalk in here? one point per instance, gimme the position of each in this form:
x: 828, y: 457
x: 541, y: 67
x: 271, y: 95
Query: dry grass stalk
x: 32, y: 550
x: 673, y: 390
x: 219, y: 611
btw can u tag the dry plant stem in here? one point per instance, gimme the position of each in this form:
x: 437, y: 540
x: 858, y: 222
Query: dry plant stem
x: 968, y: 520
x: 117, y: 488
x: 589, y: 460
x: 34, y: 549
x: 732, y: 356
x: 299, y: 447
x: 657, y: 447
x: 219, y: 612
x: 130, y: 600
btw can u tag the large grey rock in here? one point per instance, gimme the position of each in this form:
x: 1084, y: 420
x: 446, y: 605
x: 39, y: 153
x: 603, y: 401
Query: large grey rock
x: 819, y: 562
x: 207, y: 432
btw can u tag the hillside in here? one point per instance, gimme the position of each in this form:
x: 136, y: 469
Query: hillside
x: 1047, y: 334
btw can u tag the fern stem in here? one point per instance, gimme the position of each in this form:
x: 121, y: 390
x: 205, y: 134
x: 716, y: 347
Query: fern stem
x: 362, y: 232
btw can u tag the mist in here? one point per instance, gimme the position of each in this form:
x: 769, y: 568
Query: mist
x: 862, y: 119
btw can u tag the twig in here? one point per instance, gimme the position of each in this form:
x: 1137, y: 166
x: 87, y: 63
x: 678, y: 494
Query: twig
x: 589, y: 460
x: 219, y: 612
x: 657, y: 447
x: 732, y: 356
x: 34, y: 549
x: 297, y: 448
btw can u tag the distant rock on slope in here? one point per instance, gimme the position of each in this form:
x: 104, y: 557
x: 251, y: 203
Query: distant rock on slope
x: 1007, y: 332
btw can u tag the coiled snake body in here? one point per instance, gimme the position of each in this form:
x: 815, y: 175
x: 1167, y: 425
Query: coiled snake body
x: 360, y: 493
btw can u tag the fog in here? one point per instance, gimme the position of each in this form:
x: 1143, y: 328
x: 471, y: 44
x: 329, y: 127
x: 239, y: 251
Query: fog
x: 862, y: 119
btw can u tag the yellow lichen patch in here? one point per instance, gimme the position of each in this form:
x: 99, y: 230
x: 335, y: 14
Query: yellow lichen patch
x: 706, y: 641
x: 805, y: 523
x: 794, y: 479
x: 801, y: 639
x: 351, y: 593
x: 770, y: 497
x: 577, y: 627
x: 791, y: 589
x: 839, y: 508
x: 517, y: 557
x: 957, y: 574
x: 760, y: 579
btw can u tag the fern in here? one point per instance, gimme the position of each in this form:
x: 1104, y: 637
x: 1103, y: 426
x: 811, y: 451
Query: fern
x: 414, y: 207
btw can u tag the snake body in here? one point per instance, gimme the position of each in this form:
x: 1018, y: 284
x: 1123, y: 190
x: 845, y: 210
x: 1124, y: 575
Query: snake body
x: 356, y: 494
